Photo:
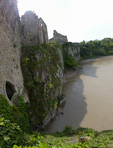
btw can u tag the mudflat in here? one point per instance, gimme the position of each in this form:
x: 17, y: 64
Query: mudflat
x: 89, y: 97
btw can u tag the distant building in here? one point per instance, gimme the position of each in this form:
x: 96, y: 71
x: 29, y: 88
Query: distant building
x: 58, y: 38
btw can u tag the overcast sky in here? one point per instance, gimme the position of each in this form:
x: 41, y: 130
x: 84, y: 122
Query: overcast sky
x: 78, y: 19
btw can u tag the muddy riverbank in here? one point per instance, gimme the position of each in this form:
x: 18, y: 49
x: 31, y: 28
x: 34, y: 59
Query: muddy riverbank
x: 89, y: 97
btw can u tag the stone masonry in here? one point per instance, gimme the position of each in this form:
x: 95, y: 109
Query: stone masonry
x: 11, y: 79
x: 34, y: 29
x: 31, y: 30
x: 58, y: 38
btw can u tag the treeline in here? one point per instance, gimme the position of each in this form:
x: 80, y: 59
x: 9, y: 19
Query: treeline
x: 96, y: 48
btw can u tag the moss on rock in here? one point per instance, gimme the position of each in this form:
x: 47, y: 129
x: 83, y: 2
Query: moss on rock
x: 40, y: 66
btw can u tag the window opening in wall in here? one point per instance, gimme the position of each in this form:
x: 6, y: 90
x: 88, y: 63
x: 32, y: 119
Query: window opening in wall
x: 10, y: 90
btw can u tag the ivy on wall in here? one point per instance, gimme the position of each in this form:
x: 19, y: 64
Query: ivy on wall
x: 40, y: 66
x: 16, y: 114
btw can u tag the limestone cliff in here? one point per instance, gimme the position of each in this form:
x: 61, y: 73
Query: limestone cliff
x: 42, y: 64
x: 43, y: 77
x: 71, y: 49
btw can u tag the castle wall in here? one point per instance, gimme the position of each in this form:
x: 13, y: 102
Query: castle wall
x: 44, y: 31
x: 58, y: 38
x: 34, y: 29
x: 11, y: 79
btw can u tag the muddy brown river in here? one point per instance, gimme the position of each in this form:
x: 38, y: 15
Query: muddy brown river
x: 89, y: 97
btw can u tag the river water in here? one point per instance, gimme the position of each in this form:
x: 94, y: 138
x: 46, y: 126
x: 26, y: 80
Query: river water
x: 89, y: 98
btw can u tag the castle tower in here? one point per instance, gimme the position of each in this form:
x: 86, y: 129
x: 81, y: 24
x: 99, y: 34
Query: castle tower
x: 58, y: 38
x: 34, y: 29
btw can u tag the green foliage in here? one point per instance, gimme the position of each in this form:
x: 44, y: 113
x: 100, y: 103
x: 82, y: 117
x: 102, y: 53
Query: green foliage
x: 10, y: 134
x: 97, y: 48
x: 110, y: 52
x: 69, y: 138
x: 42, y: 93
x: 67, y: 130
x: 15, y: 114
x: 14, y: 45
x: 70, y: 62
x: 65, y: 47
x: 53, y: 44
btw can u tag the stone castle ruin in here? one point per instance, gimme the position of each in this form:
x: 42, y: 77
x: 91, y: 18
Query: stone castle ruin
x: 14, y: 33
x: 58, y: 38
x: 34, y: 29
x: 11, y: 79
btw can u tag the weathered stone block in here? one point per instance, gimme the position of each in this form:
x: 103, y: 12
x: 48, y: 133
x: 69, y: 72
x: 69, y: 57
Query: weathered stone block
x: 34, y: 29
x: 11, y: 79
x: 58, y: 38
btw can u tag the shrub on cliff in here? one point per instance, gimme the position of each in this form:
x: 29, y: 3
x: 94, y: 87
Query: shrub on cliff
x: 70, y: 52
x: 10, y: 134
x: 71, y: 63
x: 16, y: 114
x: 41, y: 72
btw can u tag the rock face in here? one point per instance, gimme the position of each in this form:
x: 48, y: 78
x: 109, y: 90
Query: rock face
x: 34, y: 29
x: 58, y: 38
x: 44, y: 82
x: 11, y: 79
x: 72, y: 49
x: 31, y: 32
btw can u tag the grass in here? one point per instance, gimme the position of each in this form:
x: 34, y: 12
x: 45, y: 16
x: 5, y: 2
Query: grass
x: 11, y: 136
x: 70, y: 138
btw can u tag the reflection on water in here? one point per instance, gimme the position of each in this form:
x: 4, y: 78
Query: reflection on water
x: 89, y: 98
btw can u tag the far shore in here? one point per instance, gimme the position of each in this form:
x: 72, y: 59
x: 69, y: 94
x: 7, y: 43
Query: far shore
x: 93, y: 59
x: 71, y: 73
